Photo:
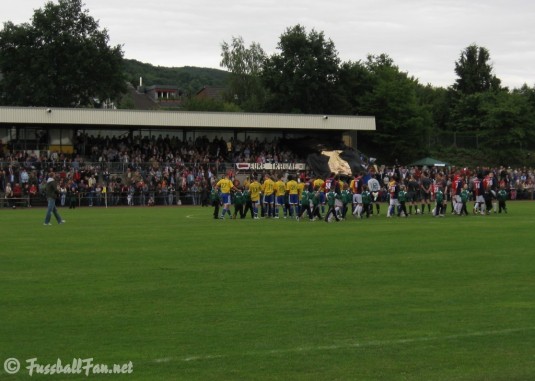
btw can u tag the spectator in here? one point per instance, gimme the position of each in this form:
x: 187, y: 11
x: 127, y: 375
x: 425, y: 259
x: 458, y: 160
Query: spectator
x: 9, y: 196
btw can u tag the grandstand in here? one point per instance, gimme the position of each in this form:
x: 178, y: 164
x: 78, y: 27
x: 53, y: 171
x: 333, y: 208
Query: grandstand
x: 113, y: 144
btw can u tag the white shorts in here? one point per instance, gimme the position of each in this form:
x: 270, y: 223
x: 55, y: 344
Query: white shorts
x: 394, y: 202
x: 357, y: 198
x: 480, y: 199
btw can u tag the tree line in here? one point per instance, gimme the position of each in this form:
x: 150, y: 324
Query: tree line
x: 63, y: 58
x: 475, y: 120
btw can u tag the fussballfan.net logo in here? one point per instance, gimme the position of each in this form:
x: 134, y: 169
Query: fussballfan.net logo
x: 85, y: 367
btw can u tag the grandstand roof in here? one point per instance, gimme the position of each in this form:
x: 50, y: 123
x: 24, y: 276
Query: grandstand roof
x: 106, y: 118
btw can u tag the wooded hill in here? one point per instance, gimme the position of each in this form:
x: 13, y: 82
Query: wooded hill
x: 188, y: 79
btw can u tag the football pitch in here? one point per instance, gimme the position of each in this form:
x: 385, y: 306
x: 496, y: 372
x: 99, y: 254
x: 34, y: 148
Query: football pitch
x: 185, y: 297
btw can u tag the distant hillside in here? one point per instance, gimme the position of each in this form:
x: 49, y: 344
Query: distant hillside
x: 188, y: 79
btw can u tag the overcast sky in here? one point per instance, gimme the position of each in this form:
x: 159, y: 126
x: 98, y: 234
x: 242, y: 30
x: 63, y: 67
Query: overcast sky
x: 423, y: 37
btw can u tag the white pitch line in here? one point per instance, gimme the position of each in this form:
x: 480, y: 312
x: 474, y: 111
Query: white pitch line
x: 165, y: 359
x: 365, y: 344
x: 209, y: 357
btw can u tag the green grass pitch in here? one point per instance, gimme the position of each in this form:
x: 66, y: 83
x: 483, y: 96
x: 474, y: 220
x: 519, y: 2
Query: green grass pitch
x: 186, y: 297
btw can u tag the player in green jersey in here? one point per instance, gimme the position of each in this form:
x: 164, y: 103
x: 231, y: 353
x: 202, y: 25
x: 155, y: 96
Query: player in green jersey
x: 215, y: 201
x: 305, y: 204
x: 238, y: 203
x: 502, y: 197
x: 402, y: 198
x: 439, y: 207
x: 331, y: 198
x: 465, y: 195
x: 366, y: 201
x: 346, y: 198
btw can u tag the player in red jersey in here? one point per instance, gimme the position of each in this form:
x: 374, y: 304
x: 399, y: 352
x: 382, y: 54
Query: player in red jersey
x: 477, y: 190
x: 489, y: 192
x: 331, y: 183
x: 456, y: 189
x: 393, y: 189
x: 356, y: 188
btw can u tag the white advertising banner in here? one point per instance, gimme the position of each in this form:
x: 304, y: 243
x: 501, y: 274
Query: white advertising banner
x: 270, y: 166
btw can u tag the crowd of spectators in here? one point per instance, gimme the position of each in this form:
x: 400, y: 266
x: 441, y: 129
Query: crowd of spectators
x: 171, y: 150
x: 134, y: 170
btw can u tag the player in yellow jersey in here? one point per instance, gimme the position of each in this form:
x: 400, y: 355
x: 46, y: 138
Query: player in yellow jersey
x: 246, y: 182
x: 301, y: 187
x: 268, y: 189
x: 292, y: 187
x: 280, y: 191
x: 320, y: 184
x: 255, y: 188
x: 225, y: 185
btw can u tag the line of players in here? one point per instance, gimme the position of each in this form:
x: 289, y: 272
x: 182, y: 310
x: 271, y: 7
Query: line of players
x: 273, y: 199
x: 294, y: 198
x: 459, y: 188
x: 488, y: 194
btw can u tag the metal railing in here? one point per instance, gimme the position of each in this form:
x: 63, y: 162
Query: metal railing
x: 109, y: 200
x: 112, y: 166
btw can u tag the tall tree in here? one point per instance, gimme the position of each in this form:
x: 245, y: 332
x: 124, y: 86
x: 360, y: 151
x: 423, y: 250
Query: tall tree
x: 60, y: 59
x: 245, y: 66
x: 474, y: 72
x: 401, y: 119
x: 355, y: 80
x: 507, y: 124
x: 467, y: 112
x: 470, y: 90
x: 303, y: 77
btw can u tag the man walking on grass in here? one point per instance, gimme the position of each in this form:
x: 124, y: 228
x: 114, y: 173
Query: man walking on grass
x: 51, y: 192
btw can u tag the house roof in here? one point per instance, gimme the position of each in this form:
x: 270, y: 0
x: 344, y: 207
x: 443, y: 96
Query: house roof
x: 162, y: 87
x: 210, y: 92
x: 141, y: 100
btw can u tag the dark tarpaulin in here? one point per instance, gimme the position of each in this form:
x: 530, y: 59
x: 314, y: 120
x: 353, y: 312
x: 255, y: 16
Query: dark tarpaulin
x: 353, y: 159
x: 319, y: 164
x: 341, y: 160
x: 345, y: 162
